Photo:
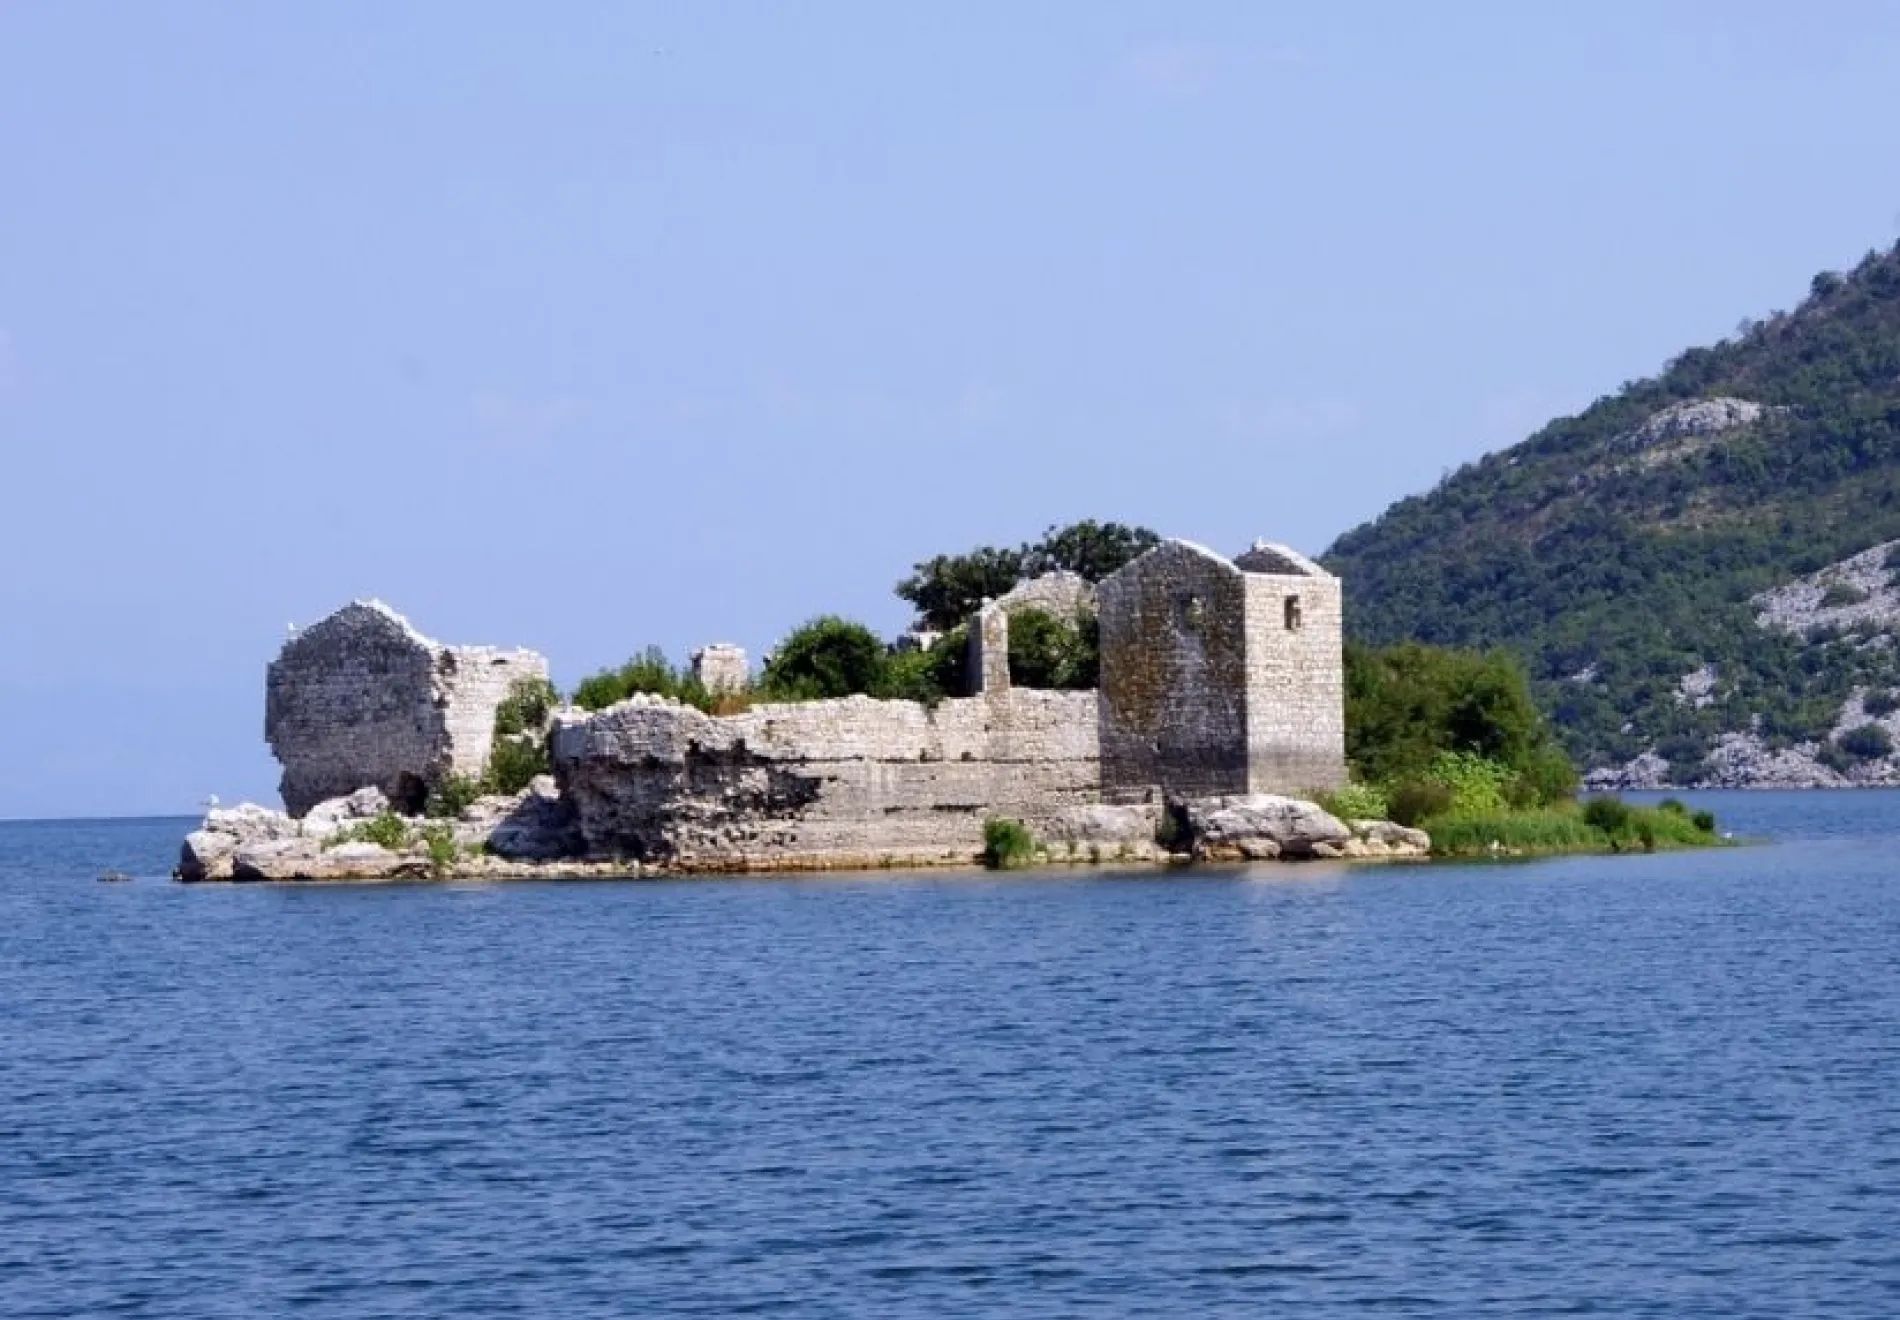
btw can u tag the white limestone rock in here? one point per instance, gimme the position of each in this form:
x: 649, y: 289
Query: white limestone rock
x: 306, y: 859
x: 249, y: 823
x: 207, y: 855
x: 1263, y: 827
x: 1384, y: 838
x: 535, y: 825
x: 210, y: 851
x: 327, y: 818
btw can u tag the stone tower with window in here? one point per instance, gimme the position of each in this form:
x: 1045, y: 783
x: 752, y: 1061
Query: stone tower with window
x: 1221, y: 676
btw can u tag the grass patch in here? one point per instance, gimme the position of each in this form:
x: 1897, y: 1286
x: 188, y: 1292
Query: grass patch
x: 1008, y: 845
x: 387, y: 830
x: 1600, y: 825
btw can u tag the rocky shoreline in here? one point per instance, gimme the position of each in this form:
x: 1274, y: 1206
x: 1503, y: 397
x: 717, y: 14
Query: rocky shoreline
x: 532, y: 836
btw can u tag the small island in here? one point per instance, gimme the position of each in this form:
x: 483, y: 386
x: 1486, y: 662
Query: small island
x: 1104, y: 696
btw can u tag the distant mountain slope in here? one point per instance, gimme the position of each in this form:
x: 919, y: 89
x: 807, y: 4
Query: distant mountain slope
x: 1674, y: 563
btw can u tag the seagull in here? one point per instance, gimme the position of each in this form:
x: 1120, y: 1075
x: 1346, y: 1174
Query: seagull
x: 210, y: 802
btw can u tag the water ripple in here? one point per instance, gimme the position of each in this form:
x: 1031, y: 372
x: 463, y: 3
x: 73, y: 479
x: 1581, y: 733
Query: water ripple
x: 1629, y: 1087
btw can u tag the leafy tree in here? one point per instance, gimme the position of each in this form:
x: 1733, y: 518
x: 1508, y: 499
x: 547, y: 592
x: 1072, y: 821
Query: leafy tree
x: 1413, y: 710
x: 1047, y: 652
x: 1088, y: 548
x: 947, y: 589
x: 827, y: 657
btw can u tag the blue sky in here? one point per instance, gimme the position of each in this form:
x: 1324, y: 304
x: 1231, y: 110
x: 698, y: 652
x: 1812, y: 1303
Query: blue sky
x: 583, y: 326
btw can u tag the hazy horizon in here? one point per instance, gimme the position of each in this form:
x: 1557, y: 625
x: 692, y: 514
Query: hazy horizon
x: 617, y: 325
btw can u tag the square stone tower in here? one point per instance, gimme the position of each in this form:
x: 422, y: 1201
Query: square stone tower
x: 1221, y: 676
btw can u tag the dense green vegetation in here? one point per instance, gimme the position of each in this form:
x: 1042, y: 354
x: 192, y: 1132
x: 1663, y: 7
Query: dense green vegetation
x: 1613, y: 565
x: 1452, y: 741
x: 1048, y: 652
x: 827, y: 657
x: 1457, y: 718
x: 646, y: 672
x: 947, y: 589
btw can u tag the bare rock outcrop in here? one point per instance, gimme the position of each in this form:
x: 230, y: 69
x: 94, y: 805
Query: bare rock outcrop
x: 530, y: 833
x: 1262, y: 827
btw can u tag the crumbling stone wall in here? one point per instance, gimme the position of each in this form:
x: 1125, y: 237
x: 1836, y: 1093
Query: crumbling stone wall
x: 1061, y: 594
x: 722, y: 667
x: 361, y: 698
x: 851, y: 782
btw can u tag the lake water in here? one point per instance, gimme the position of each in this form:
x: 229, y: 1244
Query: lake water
x: 1644, y: 1086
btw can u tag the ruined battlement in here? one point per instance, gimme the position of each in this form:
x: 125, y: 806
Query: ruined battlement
x: 1218, y: 678
x: 362, y: 699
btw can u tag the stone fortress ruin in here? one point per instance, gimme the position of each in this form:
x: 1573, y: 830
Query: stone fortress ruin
x: 1220, y: 680
x: 362, y: 699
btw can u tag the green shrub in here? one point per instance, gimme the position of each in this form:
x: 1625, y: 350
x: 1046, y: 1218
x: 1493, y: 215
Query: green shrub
x: 1051, y: 653
x: 827, y: 657
x: 1869, y: 742
x: 1839, y: 594
x: 947, y: 589
x: 646, y: 672
x: 1355, y: 802
x: 912, y: 676
x: 439, y: 839
x: 452, y: 794
x: 1007, y: 845
x: 1880, y: 703
x: 513, y: 762
x: 1544, y: 776
x: 1477, y: 783
x: 650, y: 673
x: 387, y: 830
x: 1704, y: 821
x: 526, y: 707
x: 1407, y: 704
x: 1674, y: 806
x: 1609, y: 814
x: 1417, y: 801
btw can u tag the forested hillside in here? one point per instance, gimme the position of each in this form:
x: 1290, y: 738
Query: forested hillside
x: 1672, y: 564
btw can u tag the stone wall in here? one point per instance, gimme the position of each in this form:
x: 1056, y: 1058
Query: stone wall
x: 1061, y: 594
x: 722, y: 667
x: 1174, y: 676
x: 1219, y: 676
x: 363, y: 699
x: 1296, y: 681
x: 852, y: 782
